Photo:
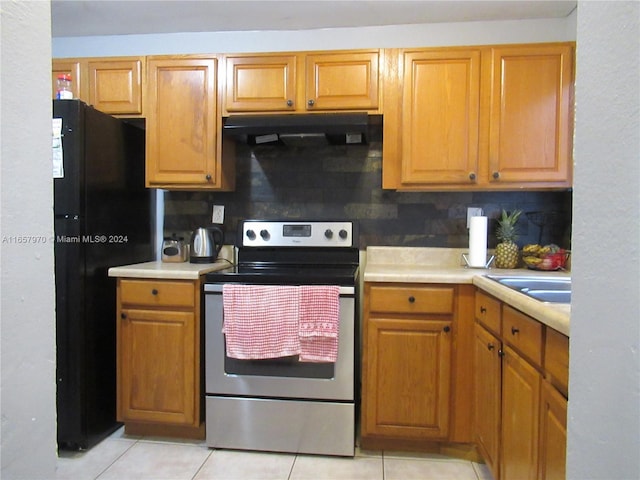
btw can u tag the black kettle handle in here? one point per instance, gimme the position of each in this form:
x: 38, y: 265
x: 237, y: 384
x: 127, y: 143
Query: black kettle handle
x: 218, y: 242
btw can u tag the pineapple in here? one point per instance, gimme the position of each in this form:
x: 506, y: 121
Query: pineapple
x: 507, y: 250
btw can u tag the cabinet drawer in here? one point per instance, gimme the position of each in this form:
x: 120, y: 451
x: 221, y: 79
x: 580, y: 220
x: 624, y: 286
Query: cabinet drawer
x: 556, y: 359
x: 157, y: 293
x: 523, y: 333
x: 488, y: 312
x: 437, y: 300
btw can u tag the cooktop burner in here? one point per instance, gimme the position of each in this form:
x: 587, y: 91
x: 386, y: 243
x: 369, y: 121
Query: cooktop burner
x: 289, y: 275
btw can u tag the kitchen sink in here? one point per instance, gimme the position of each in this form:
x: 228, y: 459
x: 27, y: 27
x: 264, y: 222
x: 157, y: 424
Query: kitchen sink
x: 545, y: 289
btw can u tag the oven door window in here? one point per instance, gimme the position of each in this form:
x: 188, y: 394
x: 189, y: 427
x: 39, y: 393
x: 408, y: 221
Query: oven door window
x: 278, y: 367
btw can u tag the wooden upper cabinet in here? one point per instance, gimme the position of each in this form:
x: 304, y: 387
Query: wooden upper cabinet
x: 440, y: 115
x: 115, y: 85
x: 483, y: 118
x: 301, y: 82
x: 337, y: 81
x: 182, y: 149
x: 531, y: 124
x: 69, y: 66
x: 264, y: 83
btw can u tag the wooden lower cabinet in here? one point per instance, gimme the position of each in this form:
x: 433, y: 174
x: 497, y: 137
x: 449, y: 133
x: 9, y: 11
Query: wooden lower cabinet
x: 520, y: 382
x: 520, y: 406
x: 409, y: 377
x: 158, y: 343
x: 553, y: 434
x: 416, y: 370
x: 487, y: 396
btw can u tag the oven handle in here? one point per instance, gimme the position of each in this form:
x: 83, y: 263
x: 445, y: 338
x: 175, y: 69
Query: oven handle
x: 217, y: 288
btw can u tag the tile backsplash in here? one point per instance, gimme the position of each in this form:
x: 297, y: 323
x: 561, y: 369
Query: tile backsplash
x: 344, y: 182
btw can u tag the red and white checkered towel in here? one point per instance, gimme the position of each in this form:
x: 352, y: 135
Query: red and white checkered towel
x: 261, y: 321
x: 319, y: 323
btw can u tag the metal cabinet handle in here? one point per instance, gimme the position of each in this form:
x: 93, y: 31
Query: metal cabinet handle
x: 514, y: 330
x: 490, y: 346
x: 483, y: 309
x: 501, y: 353
x: 412, y: 299
x: 311, y: 102
x: 472, y: 176
x: 447, y: 329
x: 496, y: 175
x: 123, y: 315
x: 208, y: 177
x: 289, y: 103
x: 154, y: 292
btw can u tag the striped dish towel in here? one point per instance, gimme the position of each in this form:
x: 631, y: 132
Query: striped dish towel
x: 261, y: 321
x: 319, y: 323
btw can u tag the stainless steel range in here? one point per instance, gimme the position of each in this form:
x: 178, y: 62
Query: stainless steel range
x: 266, y: 393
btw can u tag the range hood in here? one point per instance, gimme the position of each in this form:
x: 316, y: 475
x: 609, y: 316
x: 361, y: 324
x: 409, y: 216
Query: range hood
x: 303, y: 129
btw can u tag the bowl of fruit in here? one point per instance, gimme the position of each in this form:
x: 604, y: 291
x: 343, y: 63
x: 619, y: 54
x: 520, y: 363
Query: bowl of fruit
x: 545, y: 257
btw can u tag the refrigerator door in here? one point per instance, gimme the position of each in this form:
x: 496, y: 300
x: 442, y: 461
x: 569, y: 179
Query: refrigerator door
x: 68, y: 191
x: 103, y: 218
x: 70, y: 331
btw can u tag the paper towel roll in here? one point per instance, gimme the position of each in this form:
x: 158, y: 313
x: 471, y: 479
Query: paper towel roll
x: 478, y: 241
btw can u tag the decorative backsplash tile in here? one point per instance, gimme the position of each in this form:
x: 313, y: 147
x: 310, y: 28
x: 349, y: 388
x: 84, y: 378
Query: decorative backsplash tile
x: 344, y: 182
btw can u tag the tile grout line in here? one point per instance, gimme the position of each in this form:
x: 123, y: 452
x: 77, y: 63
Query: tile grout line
x: 117, y: 458
x: 295, y: 459
x: 203, y: 463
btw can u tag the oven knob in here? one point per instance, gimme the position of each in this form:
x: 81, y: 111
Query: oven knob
x: 265, y: 234
x: 343, y: 234
x: 328, y: 233
x: 251, y: 235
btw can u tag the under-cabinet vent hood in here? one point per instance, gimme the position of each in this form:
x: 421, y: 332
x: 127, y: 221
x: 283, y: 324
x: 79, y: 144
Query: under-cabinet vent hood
x: 304, y: 129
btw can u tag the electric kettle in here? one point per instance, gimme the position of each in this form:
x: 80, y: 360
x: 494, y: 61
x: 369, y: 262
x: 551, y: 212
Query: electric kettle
x: 206, y: 243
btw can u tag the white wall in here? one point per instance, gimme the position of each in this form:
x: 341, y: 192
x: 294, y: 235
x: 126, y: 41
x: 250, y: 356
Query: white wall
x: 27, y: 311
x: 604, y: 384
x: 441, y: 34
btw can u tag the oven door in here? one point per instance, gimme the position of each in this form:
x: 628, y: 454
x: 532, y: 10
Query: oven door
x: 278, y: 378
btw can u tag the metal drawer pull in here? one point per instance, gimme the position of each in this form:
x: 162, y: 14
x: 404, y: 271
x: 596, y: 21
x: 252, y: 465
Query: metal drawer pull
x: 154, y: 292
x: 447, y: 329
x: 412, y: 299
x: 490, y: 346
x: 483, y: 310
x: 514, y: 330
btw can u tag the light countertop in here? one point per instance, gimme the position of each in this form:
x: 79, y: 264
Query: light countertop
x: 167, y: 271
x: 446, y: 265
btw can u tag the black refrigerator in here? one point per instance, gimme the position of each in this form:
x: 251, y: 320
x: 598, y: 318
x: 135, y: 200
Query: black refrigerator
x: 104, y: 217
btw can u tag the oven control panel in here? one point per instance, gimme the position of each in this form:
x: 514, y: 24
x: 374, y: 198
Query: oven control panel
x: 256, y: 233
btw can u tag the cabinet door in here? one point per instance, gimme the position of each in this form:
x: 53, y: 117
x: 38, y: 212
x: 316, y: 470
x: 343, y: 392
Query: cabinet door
x: 337, y: 81
x: 520, y: 418
x: 530, y: 121
x: 553, y: 434
x: 440, y: 109
x: 181, y: 122
x: 70, y: 67
x: 487, y: 382
x: 157, y: 367
x: 261, y: 83
x: 408, y: 378
x: 115, y: 86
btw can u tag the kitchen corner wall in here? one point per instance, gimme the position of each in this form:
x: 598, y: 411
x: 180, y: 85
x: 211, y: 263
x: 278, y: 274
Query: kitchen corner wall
x: 315, y: 182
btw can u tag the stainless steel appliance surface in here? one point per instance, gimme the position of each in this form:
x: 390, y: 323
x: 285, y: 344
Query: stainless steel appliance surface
x: 284, y: 404
x: 206, y: 243
x: 174, y: 250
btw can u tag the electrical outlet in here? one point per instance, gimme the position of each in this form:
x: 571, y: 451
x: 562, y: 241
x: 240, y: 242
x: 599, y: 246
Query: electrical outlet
x: 218, y: 214
x: 473, y: 212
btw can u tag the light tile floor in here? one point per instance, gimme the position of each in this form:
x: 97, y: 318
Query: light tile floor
x: 124, y: 457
